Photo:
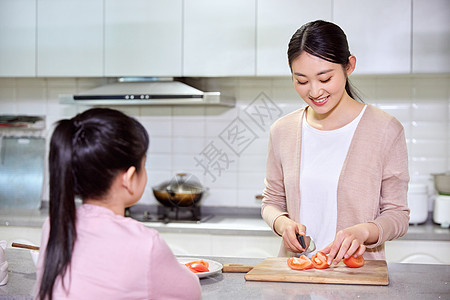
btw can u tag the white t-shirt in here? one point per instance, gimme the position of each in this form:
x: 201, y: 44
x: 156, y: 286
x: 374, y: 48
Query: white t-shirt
x: 322, y: 157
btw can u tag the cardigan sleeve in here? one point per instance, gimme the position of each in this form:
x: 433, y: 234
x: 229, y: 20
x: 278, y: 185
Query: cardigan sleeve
x: 274, y: 197
x: 393, y: 219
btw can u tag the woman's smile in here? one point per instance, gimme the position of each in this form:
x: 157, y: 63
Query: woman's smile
x: 321, y: 101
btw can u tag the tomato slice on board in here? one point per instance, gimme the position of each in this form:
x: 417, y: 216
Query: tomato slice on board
x: 354, y: 262
x: 299, y: 263
x: 319, y: 260
x: 198, y: 266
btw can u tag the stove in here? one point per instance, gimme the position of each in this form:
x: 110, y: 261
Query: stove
x: 191, y: 214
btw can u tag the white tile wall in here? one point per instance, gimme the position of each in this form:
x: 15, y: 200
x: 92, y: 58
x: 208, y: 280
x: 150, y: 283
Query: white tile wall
x: 183, y: 138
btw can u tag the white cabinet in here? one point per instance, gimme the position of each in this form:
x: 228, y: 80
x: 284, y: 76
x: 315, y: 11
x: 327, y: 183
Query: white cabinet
x: 213, y: 38
x: 431, y: 36
x: 378, y: 32
x: 143, y: 38
x: 277, y: 21
x: 219, y: 38
x: 17, y: 38
x: 70, y: 38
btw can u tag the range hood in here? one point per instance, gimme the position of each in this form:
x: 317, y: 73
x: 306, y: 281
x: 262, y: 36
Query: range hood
x: 147, y: 92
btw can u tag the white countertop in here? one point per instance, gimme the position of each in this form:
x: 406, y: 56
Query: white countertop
x: 218, y: 224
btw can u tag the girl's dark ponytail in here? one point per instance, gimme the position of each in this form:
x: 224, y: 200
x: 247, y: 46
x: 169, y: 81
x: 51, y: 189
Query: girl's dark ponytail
x: 62, y: 208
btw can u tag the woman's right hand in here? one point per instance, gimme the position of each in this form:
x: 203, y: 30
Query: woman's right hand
x: 288, y: 230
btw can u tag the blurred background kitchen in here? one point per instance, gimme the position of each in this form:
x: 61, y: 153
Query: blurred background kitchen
x: 238, y: 48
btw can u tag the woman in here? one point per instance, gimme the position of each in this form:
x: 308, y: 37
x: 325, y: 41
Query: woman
x: 94, y: 252
x: 337, y: 169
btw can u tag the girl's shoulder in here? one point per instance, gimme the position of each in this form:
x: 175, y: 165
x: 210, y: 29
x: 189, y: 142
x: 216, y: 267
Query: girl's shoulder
x: 105, y: 218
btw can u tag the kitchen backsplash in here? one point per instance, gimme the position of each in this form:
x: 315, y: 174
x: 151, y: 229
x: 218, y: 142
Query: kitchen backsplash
x: 226, y: 147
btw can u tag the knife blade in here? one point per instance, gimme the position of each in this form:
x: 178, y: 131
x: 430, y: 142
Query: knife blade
x: 306, y: 242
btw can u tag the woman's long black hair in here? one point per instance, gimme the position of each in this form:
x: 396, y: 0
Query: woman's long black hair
x: 86, y: 153
x: 325, y: 40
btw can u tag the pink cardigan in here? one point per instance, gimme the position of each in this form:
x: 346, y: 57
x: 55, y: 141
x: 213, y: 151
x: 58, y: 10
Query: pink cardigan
x: 372, y: 185
x: 119, y: 258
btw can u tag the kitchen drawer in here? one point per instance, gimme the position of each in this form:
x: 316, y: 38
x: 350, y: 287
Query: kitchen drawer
x: 222, y: 245
x: 25, y: 235
x: 418, y: 252
x: 180, y: 243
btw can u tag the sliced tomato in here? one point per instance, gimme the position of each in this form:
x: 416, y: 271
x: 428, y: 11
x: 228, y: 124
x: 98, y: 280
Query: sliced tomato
x: 319, y: 260
x: 200, y: 261
x: 299, y: 263
x: 354, y: 262
x: 198, y: 266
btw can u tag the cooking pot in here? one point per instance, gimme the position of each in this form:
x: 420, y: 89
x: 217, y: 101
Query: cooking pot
x: 442, y: 183
x: 183, y: 190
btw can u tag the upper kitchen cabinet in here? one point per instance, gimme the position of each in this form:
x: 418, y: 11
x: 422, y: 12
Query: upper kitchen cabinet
x: 276, y: 23
x: 70, y: 38
x: 18, y: 38
x: 431, y: 36
x: 143, y: 37
x: 219, y: 38
x: 378, y: 32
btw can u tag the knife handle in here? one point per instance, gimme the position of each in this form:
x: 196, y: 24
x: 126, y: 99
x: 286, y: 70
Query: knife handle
x: 301, y: 240
x: 236, y: 268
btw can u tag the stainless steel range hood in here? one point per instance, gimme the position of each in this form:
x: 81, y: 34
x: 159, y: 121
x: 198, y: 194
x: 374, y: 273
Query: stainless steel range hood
x: 138, y: 91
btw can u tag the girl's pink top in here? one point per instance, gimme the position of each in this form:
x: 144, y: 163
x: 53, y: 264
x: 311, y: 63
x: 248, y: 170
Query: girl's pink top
x: 119, y: 258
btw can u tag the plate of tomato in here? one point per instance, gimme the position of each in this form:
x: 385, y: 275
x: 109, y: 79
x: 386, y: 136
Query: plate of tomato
x: 200, y: 266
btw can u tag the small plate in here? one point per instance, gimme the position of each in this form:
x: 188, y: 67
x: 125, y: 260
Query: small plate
x: 214, y: 266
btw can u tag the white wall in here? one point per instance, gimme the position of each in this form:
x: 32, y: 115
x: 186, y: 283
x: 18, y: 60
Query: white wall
x: 181, y: 136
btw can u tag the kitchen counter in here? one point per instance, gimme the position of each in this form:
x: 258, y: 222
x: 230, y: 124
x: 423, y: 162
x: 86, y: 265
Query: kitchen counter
x: 407, y: 281
x: 220, y: 223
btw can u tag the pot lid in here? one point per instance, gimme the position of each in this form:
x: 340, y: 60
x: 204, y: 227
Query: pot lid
x: 181, y: 183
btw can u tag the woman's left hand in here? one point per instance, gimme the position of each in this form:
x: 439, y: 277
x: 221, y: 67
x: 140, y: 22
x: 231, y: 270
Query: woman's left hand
x: 351, y: 241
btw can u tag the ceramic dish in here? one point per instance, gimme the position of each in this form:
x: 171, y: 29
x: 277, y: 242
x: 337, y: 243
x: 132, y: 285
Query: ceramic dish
x: 214, y: 266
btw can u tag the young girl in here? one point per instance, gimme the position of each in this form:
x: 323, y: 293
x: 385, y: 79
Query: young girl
x: 337, y: 169
x: 94, y: 252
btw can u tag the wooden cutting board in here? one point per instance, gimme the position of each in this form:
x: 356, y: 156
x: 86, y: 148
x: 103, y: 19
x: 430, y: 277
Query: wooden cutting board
x: 374, y: 272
